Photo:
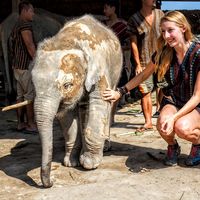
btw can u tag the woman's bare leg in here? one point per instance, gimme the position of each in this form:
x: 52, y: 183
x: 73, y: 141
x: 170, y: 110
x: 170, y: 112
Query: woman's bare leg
x: 188, y: 127
x: 167, y: 112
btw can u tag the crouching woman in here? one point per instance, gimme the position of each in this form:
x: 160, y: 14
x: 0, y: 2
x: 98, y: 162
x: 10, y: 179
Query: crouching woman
x: 176, y: 63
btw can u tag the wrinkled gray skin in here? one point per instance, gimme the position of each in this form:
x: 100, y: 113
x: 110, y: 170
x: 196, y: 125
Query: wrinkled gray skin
x: 71, y: 71
x: 43, y: 26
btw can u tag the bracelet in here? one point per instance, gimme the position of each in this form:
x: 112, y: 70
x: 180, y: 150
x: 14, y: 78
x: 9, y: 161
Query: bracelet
x: 122, y: 90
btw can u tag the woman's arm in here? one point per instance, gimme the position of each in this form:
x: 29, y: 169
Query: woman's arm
x: 112, y: 95
x: 135, y: 81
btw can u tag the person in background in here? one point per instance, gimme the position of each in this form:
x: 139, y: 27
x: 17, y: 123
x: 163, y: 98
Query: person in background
x: 23, y: 50
x: 143, y: 27
x: 176, y: 65
x: 119, y: 27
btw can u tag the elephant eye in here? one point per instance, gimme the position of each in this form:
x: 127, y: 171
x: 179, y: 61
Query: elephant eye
x: 68, y: 85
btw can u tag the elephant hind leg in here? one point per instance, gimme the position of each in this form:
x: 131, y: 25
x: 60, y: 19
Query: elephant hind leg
x: 71, y: 158
x: 73, y: 146
x: 71, y: 132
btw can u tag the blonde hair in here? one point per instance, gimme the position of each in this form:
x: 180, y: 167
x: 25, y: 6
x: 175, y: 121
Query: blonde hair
x: 164, y: 51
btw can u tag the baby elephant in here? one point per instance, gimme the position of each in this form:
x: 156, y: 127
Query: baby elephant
x: 70, y: 73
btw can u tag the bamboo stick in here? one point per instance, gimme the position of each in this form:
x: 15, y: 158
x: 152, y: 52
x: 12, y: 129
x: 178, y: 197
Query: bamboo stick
x: 17, y: 105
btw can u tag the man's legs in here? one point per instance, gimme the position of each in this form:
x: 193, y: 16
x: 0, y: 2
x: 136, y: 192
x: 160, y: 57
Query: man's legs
x: 30, y: 118
x: 28, y: 94
x: 159, y: 96
x: 146, y: 104
x: 21, y: 124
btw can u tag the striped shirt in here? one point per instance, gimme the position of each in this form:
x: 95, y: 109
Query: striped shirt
x: 20, y: 55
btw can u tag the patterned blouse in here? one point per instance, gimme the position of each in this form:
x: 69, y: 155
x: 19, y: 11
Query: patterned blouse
x: 181, y: 78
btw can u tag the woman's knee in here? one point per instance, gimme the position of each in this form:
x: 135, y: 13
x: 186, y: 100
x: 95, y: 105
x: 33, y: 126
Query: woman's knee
x: 161, y: 119
x: 182, y: 128
x: 163, y: 135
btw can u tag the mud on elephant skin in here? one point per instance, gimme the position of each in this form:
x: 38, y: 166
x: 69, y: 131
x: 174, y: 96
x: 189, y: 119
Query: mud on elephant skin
x: 71, y: 71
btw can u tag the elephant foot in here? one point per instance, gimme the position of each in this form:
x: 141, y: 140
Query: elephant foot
x: 71, y: 160
x: 90, y: 161
x: 45, y: 176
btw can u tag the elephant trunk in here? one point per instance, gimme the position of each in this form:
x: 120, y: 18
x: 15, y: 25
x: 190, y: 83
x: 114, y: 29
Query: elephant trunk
x: 45, y: 111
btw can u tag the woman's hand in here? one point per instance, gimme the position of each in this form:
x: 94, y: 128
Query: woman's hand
x: 167, y: 126
x: 111, y: 95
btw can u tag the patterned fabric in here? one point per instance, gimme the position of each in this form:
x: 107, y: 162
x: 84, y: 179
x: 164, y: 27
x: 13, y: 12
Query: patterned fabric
x: 20, y: 56
x: 146, y: 34
x: 120, y: 29
x: 182, y: 78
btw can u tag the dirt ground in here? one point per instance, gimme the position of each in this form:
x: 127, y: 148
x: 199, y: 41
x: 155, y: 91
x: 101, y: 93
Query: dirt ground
x: 132, y: 169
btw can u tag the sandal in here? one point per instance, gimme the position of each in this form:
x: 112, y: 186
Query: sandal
x: 142, y: 129
x: 31, y: 129
x: 21, y: 127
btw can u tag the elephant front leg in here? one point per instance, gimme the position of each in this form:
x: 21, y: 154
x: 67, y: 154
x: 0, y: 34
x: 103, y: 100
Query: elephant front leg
x: 71, y: 132
x: 95, y: 131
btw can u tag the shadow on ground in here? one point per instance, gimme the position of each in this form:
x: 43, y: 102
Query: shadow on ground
x: 25, y: 155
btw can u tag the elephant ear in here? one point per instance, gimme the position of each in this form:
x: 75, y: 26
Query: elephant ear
x: 95, y: 69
